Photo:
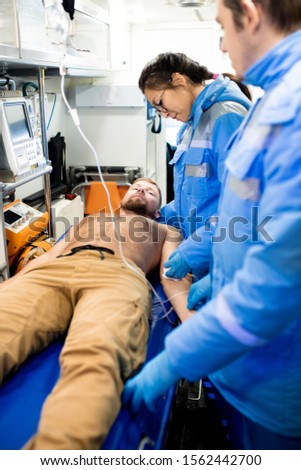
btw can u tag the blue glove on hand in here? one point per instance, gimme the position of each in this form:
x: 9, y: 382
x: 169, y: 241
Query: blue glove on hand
x: 198, y: 292
x: 178, y: 268
x: 153, y: 381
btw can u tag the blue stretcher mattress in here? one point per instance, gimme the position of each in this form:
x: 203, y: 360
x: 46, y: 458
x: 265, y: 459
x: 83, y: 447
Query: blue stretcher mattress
x: 22, y: 395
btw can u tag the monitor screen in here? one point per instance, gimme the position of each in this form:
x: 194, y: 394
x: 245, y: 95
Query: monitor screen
x: 17, y: 122
x: 10, y: 217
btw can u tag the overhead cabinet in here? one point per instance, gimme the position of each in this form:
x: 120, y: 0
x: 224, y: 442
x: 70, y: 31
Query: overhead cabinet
x: 36, y: 41
x: 9, y: 42
x: 34, y: 33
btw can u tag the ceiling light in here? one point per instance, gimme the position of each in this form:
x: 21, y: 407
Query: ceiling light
x: 191, y: 3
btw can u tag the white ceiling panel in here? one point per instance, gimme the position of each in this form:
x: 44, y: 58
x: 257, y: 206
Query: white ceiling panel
x: 162, y: 11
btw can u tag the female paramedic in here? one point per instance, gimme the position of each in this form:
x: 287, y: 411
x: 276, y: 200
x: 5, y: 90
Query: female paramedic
x: 176, y: 86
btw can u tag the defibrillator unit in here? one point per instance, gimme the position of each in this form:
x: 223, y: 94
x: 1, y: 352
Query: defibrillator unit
x: 23, y: 224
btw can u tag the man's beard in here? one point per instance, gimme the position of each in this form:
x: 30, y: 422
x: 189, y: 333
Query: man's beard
x: 136, y: 205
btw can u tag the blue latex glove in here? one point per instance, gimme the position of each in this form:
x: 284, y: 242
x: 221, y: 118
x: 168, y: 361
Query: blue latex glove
x: 198, y: 292
x: 153, y: 381
x: 178, y: 268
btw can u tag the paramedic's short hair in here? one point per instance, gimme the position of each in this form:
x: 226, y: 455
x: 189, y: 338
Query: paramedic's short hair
x: 285, y: 15
x: 151, y: 181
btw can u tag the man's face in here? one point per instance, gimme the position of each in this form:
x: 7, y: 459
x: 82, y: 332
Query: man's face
x: 143, y: 198
x: 237, y: 42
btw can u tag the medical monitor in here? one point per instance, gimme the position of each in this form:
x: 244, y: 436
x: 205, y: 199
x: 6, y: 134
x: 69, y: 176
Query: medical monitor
x: 18, y: 122
x: 21, y: 151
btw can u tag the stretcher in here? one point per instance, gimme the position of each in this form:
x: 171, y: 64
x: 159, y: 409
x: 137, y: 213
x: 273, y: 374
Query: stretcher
x: 22, y: 395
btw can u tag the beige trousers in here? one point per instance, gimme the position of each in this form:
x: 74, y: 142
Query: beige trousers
x: 104, y: 306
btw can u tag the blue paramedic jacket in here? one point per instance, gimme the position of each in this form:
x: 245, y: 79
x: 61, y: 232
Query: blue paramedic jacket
x: 201, y: 151
x: 248, y: 337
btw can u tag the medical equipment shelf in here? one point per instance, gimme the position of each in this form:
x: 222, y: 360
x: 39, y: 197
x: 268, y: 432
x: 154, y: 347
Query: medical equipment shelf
x: 37, y: 69
x: 8, y: 188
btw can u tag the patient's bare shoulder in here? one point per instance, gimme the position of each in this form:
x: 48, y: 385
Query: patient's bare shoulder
x: 171, y: 233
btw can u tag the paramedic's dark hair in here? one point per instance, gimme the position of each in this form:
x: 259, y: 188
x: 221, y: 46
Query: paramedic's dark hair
x: 151, y: 181
x: 157, y: 73
x: 284, y: 15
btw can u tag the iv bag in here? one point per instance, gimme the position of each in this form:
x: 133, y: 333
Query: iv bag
x: 56, y: 21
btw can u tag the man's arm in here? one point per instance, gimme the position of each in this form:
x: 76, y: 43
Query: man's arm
x: 194, y: 253
x: 176, y: 291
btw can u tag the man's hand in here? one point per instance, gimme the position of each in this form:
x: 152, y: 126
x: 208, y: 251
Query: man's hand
x: 178, y: 268
x: 199, y: 292
x: 153, y: 381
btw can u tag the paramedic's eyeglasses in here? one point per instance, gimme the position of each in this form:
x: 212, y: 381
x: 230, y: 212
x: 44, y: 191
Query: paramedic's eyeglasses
x: 159, y: 105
